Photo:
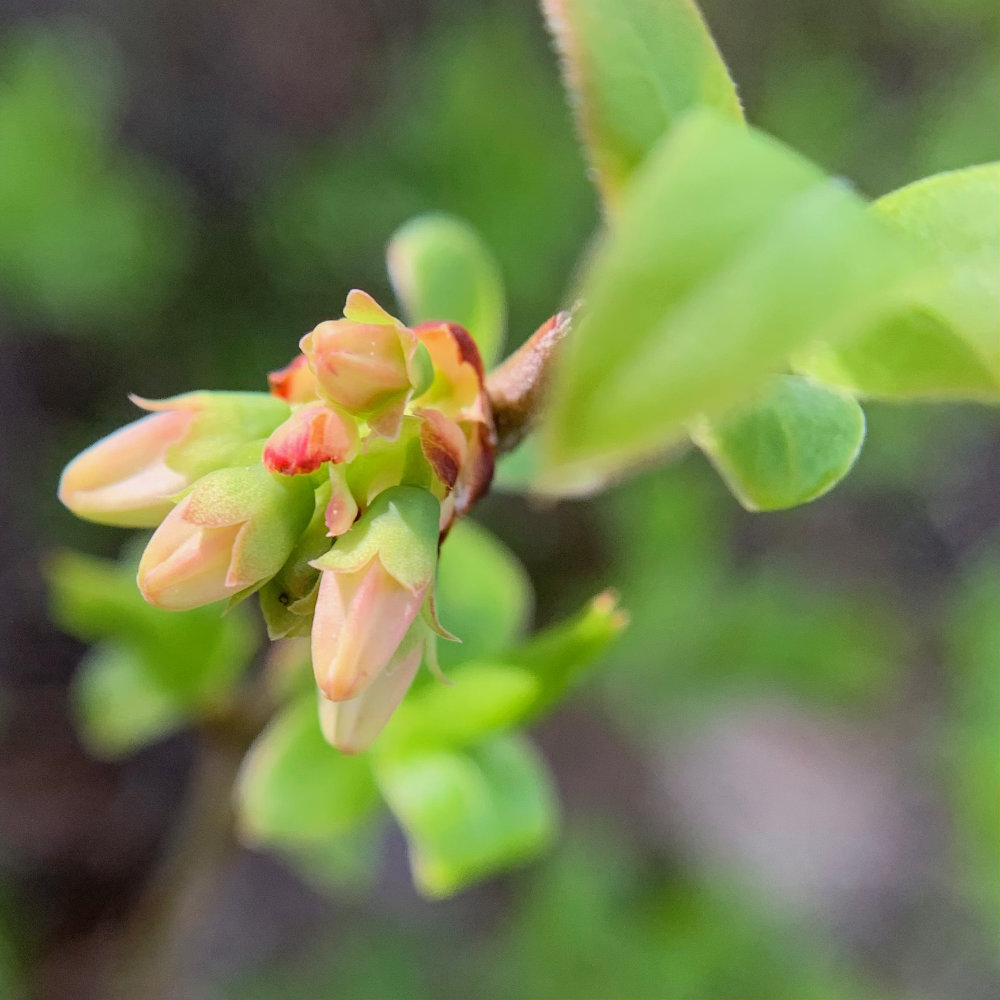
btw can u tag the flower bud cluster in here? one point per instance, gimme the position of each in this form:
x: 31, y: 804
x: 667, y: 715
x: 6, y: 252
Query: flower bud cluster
x: 326, y: 496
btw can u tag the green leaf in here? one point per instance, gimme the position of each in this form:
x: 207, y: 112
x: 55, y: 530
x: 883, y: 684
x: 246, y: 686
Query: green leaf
x: 441, y: 269
x: 730, y: 252
x: 118, y: 705
x: 483, y: 594
x: 343, y: 864
x: 193, y: 657
x: 484, y: 697
x: 946, y: 345
x: 468, y: 815
x: 632, y: 68
x: 295, y: 789
x: 788, y: 446
x: 559, y: 654
x: 481, y: 698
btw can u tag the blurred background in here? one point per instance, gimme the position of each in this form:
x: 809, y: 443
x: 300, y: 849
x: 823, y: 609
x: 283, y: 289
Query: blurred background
x: 781, y: 782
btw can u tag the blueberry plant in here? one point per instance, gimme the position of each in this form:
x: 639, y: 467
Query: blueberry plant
x: 736, y: 299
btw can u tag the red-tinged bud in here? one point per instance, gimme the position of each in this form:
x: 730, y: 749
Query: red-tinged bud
x: 369, y: 363
x: 232, y: 532
x: 353, y: 725
x: 295, y: 383
x: 458, y: 387
x: 373, y: 583
x: 131, y: 477
x: 315, y: 433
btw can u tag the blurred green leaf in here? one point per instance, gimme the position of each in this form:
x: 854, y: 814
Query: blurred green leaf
x: 517, y: 470
x: 947, y: 345
x: 92, y: 235
x: 730, y: 252
x: 483, y: 697
x: 775, y: 625
x: 788, y: 446
x: 118, y: 705
x: 557, y: 656
x: 295, y: 789
x: 476, y: 126
x: 632, y: 68
x: 343, y: 864
x: 970, y: 740
x: 441, y: 269
x: 471, y: 814
x: 483, y: 595
x: 191, y: 657
x: 598, y: 920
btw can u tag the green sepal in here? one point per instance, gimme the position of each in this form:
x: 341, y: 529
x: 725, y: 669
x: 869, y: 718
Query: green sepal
x: 401, y: 529
x: 224, y: 422
x: 284, y: 598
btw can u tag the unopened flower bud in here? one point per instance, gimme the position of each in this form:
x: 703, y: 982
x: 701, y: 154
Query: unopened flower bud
x: 368, y: 363
x: 130, y: 477
x: 352, y: 726
x: 315, y: 433
x: 373, y: 583
x: 295, y: 383
x: 232, y: 532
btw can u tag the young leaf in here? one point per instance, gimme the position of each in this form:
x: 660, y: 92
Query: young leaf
x: 483, y: 595
x: 947, y: 343
x: 119, y: 707
x: 442, y: 270
x: 487, y: 696
x: 471, y: 814
x: 295, y: 789
x: 730, y: 252
x: 482, y: 698
x: 788, y: 446
x: 191, y: 657
x: 632, y: 68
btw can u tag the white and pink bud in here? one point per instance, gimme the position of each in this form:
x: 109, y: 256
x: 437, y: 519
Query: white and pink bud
x: 131, y: 477
x: 353, y: 725
x: 373, y: 584
x: 230, y: 534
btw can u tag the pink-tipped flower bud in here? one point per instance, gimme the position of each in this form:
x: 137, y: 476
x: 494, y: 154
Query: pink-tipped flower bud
x: 352, y: 726
x: 230, y: 534
x: 315, y: 433
x: 131, y: 477
x: 368, y: 363
x: 373, y: 583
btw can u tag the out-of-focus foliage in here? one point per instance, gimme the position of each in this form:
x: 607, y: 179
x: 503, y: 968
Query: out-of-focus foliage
x: 948, y: 343
x: 472, y: 796
x: 880, y: 92
x: 476, y: 121
x: 595, y: 920
x: 92, y: 236
x: 705, y: 631
x: 729, y: 253
x: 149, y: 671
x: 788, y: 446
x: 970, y: 740
x: 443, y: 271
x: 635, y: 67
